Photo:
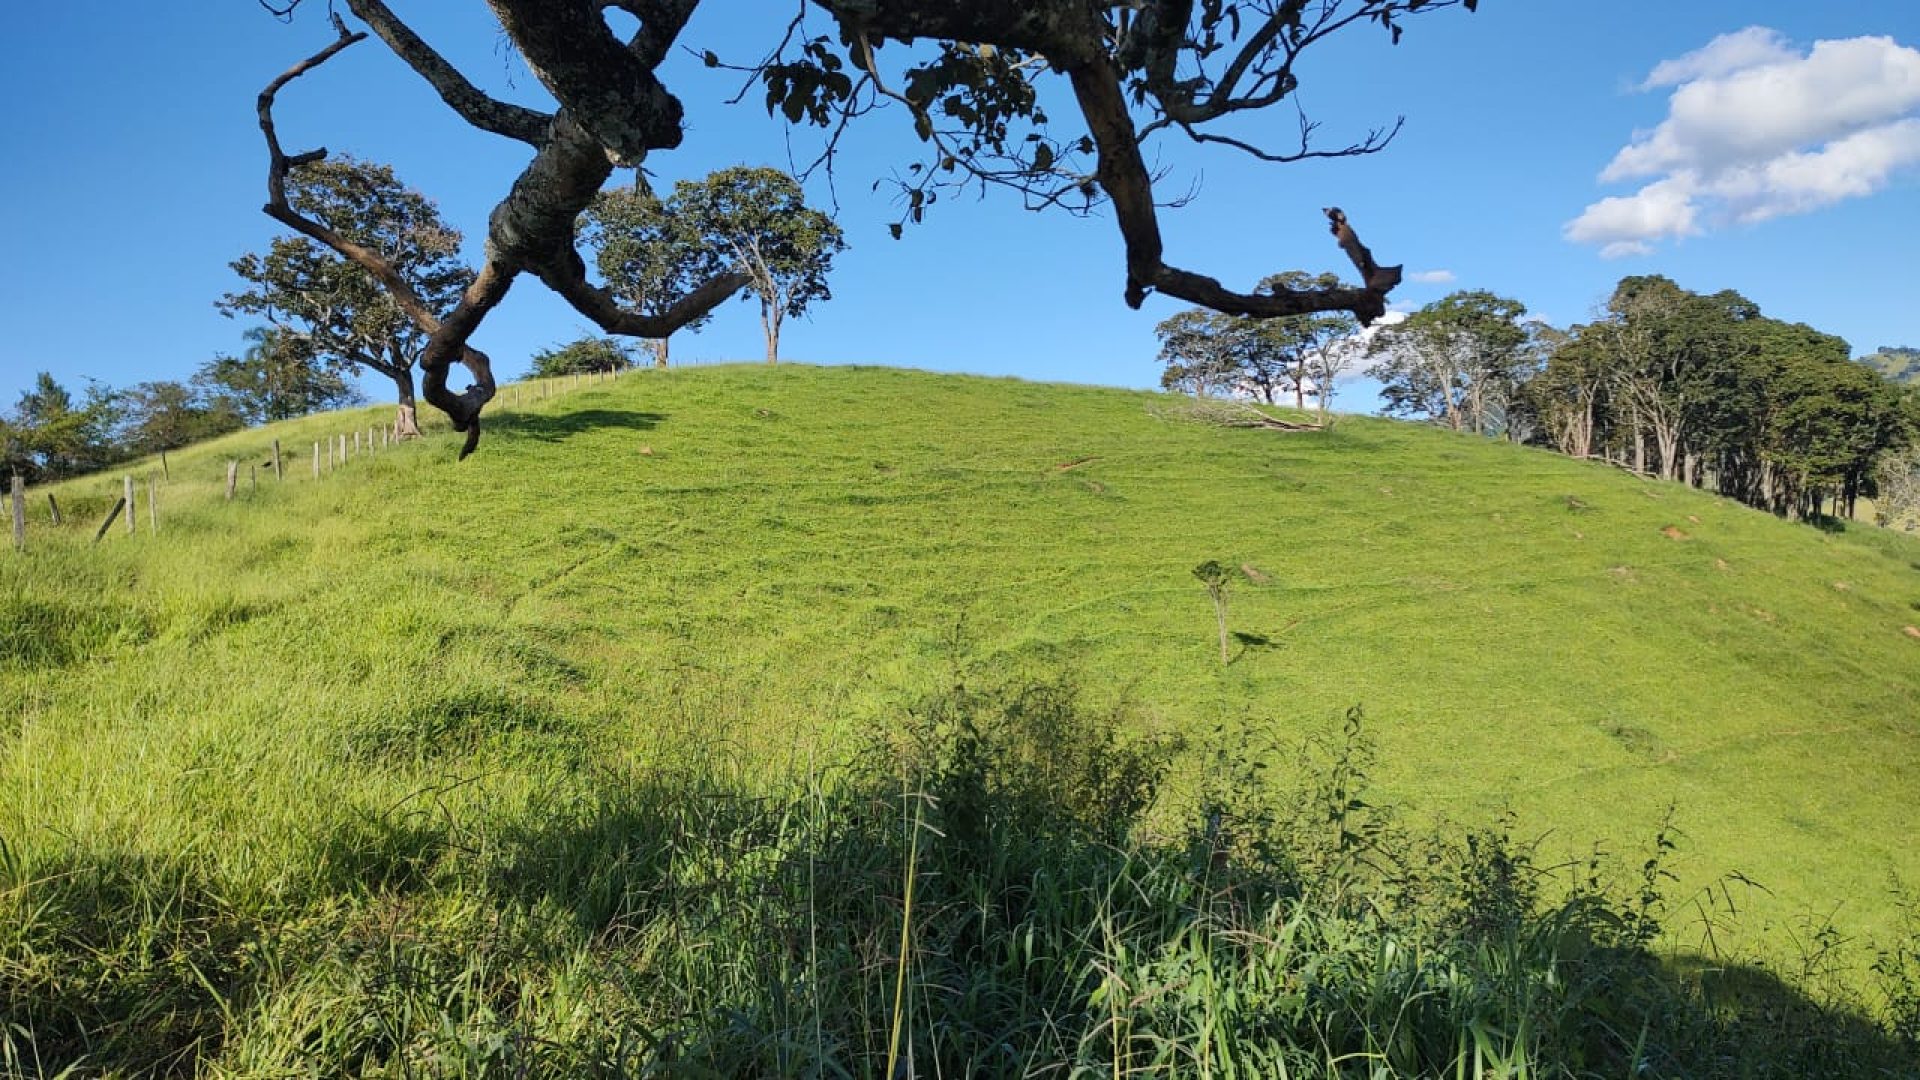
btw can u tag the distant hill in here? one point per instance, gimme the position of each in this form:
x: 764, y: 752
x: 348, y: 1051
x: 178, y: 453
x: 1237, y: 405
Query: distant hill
x: 1900, y: 364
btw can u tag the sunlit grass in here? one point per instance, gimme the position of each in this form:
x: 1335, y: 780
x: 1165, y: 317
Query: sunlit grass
x: 337, y: 708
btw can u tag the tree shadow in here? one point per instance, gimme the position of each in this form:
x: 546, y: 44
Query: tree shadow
x: 558, y: 427
x: 1250, y: 643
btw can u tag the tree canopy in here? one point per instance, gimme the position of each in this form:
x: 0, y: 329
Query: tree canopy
x: 1211, y: 352
x: 750, y: 221
x: 1137, y: 73
x: 334, y: 312
x: 581, y: 356
x: 1460, y: 360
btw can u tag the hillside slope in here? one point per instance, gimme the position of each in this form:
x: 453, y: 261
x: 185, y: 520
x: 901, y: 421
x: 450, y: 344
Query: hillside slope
x: 768, y: 564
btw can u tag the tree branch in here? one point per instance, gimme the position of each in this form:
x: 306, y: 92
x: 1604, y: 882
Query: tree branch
x: 476, y: 108
x: 608, y: 87
x: 568, y: 278
x: 1123, y: 175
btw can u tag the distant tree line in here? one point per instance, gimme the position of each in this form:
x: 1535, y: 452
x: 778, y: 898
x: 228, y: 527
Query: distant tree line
x: 1701, y: 389
x: 50, y: 434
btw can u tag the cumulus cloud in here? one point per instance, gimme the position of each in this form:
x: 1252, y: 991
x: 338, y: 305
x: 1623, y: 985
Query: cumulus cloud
x: 1432, y: 277
x: 1757, y: 130
x: 1752, y: 47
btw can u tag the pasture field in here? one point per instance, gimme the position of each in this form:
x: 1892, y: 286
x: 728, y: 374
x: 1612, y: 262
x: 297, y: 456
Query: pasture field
x: 258, y: 767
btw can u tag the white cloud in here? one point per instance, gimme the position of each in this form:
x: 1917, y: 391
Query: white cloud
x: 1432, y: 277
x: 1727, y: 53
x: 1756, y: 130
x: 1624, y: 224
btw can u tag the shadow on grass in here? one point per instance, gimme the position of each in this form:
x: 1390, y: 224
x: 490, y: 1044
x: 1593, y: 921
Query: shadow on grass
x: 1249, y: 643
x: 673, y: 923
x: 558, y: 427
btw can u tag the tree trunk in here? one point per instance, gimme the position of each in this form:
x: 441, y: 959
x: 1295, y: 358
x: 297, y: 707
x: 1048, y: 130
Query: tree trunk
x: 770, y: 325
x: 1299, y: 386
x: 406, y: 422
x: 659, y: 346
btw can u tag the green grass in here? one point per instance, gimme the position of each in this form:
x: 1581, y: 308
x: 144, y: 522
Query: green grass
x: 296, y: 746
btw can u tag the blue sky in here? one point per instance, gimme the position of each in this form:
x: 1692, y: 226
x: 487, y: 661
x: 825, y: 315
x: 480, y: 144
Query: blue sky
x: 1764, y: 164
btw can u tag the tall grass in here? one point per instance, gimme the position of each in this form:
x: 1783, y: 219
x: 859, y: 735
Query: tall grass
x: 1001, y: 888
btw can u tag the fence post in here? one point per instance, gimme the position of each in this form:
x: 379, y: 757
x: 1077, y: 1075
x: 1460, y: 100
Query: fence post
x: 53, y: 508
x: 233, y: 478
x: 253, y: 479
x: 19, y: 513
x: 118, y: 505
x: 127, y: 484
x: 153, y: 507
x: 277, y: 474
x: 356, y: 440
x: 316, y: 460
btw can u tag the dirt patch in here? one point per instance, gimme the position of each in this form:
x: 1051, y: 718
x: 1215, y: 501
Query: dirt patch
x: 1254, y: 574
x: 1075, y: 464
x: 1911, y: 631
x: 1675, y: 532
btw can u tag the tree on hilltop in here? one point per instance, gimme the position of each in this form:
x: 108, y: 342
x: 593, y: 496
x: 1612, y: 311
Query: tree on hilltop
x: 1211, y: 351
x: 650, y: 256
x: 331, y: 310
x: 52, y: 436
x: 968, y: 76
x: 760, y: 220
x: 166, y: 415
x: 1459, y: 361
x: 584, y: 355
x: 277, y: 377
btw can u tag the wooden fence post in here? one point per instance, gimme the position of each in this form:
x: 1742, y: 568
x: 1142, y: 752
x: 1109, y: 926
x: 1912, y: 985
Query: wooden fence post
x: 356, y: 441
x: 233, y: 478
x: 118, y: 505
x: 19, y: 513
x: 153, y: 508
x: 253, y: 479
x: 316, y: 461
x: 277, y: 474
x: 53, y: 508
x: 128, y: 487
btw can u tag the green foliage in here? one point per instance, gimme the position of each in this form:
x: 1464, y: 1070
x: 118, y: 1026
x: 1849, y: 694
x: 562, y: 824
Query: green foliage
x: 650, y: 254
x: 277, y: 378
x: 1460, y: 360
x: 328, y: 312
x: 752, y: 221
x: 758, y: 220
x: 1706, y: 389
x: 1207, y: 352
x: 50, y: 436
x: 164, y: 415
x: 587, y: 354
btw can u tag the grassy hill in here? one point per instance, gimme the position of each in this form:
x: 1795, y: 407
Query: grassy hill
x: 320, y: 703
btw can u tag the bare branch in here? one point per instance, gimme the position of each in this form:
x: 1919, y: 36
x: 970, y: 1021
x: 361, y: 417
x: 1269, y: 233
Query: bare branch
x: 1123, y: 174
x: 568, y: 278
x: 501, y: 118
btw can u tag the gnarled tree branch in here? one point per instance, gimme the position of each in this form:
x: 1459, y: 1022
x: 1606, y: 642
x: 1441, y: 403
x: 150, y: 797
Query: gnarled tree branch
x: 476, y: 108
